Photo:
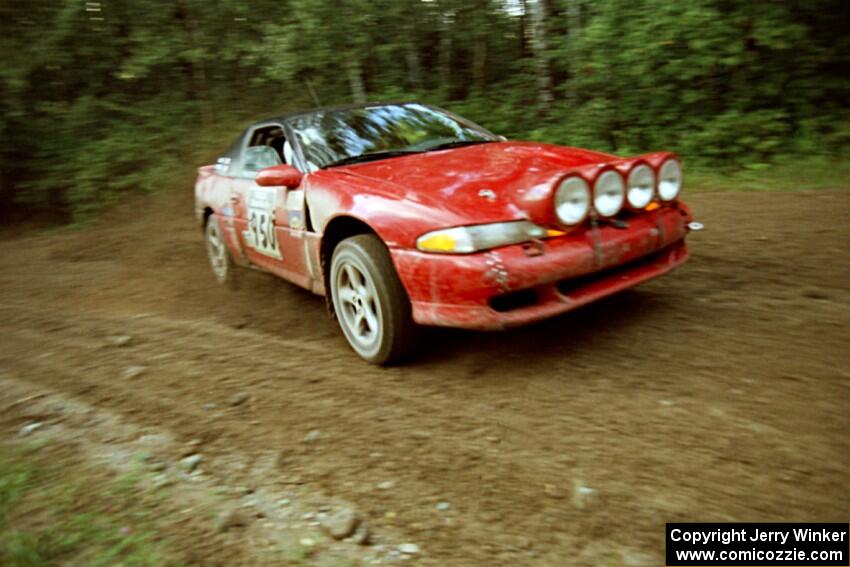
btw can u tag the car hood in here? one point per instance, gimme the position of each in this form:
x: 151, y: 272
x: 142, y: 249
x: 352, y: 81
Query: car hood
x: 480, y: 183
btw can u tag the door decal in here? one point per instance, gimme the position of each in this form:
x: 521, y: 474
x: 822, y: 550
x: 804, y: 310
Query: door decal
x: 295, y: 211
x: 260, y: 234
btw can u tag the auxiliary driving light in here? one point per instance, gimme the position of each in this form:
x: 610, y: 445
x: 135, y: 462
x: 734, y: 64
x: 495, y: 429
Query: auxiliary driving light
x: 609, y: 192
x: 641, y: 186
x: 670, y: 180
x: 572, y: 200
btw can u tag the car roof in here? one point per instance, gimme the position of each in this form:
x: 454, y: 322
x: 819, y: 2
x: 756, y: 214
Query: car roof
x: 285, y: 117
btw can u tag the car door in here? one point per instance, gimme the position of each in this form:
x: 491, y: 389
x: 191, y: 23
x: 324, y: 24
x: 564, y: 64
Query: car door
x: 269, y: 220
x: 254, y: 206
x: 291, y: 230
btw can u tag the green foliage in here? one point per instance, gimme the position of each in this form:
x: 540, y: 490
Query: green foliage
x: 785, y: 173
x: 738, y: 138
x: 100, y: 99
x: 50, y: 528
x: 13, y: 480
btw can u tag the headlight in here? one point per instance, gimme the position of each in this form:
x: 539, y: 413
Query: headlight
x: 609, y: 192
x: 467, y: 239
x: 572, y: 200
x: 670, y: 179
x: 641, y: 186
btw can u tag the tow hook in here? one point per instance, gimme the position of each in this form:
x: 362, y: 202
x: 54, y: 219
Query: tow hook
x: 534, y: 248
x: 695, y: 226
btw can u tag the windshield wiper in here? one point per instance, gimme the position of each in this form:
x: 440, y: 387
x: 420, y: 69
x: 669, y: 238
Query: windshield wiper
x: 369, y: 156
x: 456, y: 144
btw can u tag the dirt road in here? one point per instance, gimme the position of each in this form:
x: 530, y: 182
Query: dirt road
x: 717, y: 393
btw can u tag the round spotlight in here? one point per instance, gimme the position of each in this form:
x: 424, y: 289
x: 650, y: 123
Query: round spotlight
x: 641, y: 186
x: 572, y: 200
x: 609, y: 192
x: 670, y: 180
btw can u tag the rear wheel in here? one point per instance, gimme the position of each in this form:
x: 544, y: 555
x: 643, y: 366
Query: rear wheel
x: 370, y: 302
x: 220, y: 261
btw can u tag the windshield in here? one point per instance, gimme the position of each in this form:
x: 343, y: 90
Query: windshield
x: 335, y: 137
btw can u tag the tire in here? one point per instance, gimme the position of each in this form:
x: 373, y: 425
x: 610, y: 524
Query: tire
x: 221, y: 262
x: 370, y: 303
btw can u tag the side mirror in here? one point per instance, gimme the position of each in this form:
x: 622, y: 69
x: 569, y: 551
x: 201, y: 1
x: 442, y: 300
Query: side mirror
x: 279, y: 176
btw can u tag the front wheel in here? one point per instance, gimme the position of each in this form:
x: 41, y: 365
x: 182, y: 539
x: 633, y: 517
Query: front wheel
x: 370, y: 302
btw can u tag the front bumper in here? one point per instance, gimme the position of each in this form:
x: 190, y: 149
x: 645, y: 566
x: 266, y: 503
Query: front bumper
x: 519, y: 284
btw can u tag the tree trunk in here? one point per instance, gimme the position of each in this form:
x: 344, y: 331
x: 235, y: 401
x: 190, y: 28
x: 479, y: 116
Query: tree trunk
x: 479, y: 63
x: 573, y: 30
x: 573, y: 19
x: 197, y: 71
x: 544, y: 79
x: 522, y: 32
x: 410, y: 30
x: 355, y: 80
x: 445, y: 56
x: 312, y: 92
x: 414, y: 73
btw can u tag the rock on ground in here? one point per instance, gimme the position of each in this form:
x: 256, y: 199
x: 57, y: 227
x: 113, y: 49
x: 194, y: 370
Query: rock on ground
x: 341, y: 524
x: 231, y: 519
x: 190, y: 463
x: 238, y: 399
x: 362, y: 536
x: 120, y: 340
x: 133, y: 372
x: 408, y: 548
x: 27, y: 429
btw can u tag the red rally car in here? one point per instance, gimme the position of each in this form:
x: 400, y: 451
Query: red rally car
x: 405, y: 215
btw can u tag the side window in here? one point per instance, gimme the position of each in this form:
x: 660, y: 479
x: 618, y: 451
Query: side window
x: 259, y: 157
x: 265, y: 149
